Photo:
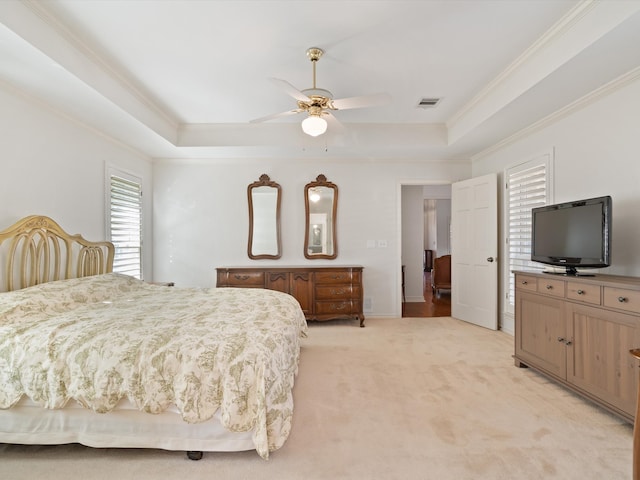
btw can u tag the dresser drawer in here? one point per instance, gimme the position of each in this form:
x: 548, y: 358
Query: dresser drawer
x: 346, y: 307
x: 245, y: 279
x: 622, y: 298
x: 334, y: 277
x: 337, y: 292
x: 584, y: 292
x: 526, y: 282
x: 552, y: 287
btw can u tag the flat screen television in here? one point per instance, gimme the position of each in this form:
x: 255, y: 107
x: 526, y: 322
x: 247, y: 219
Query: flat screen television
x: 573, y: 234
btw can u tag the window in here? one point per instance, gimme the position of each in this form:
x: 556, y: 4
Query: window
x: 528, y: 186
x: 125, y: 222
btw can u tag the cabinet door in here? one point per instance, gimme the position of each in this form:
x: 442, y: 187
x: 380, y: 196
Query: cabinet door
x: 541, y: 333
x: 278, y: 281
x: 302, y: 290
x: 598, y: 359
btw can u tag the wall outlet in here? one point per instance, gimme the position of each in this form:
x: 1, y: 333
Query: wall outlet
x: 371, y: 244
x: 382, y: 244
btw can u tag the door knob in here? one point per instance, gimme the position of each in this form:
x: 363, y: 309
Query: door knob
x: 490, y: 259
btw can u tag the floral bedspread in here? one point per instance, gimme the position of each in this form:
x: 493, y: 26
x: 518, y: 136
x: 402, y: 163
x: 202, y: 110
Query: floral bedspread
x: 98, y: 339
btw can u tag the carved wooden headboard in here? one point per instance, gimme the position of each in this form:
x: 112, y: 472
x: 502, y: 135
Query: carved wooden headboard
x: 37, y: 250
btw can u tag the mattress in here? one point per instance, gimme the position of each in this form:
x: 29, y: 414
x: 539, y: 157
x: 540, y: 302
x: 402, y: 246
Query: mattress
x: 123, y: 427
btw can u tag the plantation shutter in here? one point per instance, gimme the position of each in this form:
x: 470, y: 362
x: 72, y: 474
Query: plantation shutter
x: 527, y: 187
x: 126, y: 224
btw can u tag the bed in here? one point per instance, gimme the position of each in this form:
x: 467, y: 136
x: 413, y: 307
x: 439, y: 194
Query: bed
x: 93, y: 357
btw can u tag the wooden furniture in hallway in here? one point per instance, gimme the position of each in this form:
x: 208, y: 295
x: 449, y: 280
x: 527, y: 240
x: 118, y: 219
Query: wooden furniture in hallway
x: 441, y: 274
x: 324, y: 293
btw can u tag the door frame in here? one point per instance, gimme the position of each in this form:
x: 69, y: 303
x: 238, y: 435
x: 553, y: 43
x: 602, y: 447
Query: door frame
x: 400, y: 184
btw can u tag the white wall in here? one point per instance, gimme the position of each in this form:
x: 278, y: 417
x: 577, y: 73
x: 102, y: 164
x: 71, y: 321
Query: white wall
x: 430, y: 241
x: 413, y: 242
x: 55, y: 167
x: 597, y: 152
x: 443, y: 209
x: 201, y: 217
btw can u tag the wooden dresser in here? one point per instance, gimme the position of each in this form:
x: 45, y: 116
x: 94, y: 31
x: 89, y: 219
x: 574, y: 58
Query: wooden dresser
x: 579, y: 331
x: 324, y: 293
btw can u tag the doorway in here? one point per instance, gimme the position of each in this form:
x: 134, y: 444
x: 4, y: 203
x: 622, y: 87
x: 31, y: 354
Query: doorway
x: 425, y: 232
x: 434, y: 305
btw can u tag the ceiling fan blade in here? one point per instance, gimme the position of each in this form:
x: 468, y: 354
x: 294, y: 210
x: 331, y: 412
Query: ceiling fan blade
x: 289, y: 89
x: 275, y: 115
x: 374, y: 100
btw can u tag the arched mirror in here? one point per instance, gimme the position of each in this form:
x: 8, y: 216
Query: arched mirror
x: 264, y: 219
x: 321, y: 205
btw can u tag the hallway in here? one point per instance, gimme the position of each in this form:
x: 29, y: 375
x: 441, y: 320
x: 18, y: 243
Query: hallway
x: 433, y: 306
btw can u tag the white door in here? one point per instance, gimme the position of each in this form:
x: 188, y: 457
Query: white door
x: 474, y: 251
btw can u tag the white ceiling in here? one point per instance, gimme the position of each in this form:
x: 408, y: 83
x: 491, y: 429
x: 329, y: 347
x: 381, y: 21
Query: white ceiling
x: 184, y: 78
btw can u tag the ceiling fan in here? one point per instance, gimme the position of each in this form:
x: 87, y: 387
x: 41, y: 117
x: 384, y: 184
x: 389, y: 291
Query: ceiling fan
x: 319, y: 103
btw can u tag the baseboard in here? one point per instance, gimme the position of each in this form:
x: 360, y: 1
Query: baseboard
x: 415, y: 299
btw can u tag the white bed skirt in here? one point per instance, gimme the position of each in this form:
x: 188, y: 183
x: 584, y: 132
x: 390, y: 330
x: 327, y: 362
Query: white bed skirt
x: 124, y: 427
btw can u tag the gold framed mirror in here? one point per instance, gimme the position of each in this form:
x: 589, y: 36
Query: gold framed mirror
x: 264, y: 219
x: 321, y: 206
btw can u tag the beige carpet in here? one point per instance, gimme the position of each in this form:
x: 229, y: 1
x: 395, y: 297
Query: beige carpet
x: 428, y: 398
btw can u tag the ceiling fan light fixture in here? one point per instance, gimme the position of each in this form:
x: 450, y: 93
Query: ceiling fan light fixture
x: 314, y: 125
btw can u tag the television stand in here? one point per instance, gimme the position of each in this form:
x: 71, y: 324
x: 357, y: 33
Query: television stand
x: 570, y: 272
x: 579, y: 331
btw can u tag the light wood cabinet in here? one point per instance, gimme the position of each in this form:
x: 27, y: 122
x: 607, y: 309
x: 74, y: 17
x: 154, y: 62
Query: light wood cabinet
x: 324, y: 293
x: 579, y: 331
x: 540, y: 324
x: 598, y: 361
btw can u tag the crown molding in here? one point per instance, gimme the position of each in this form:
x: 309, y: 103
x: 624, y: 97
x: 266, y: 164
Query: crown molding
x: 560, y: 28
x: 579, y: 104
x: 117, y: 87
x: 583, y: 25
x: 47, y: 107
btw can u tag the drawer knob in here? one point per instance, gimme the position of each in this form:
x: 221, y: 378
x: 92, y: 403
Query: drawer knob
x: 622, y: 299
x: 524, y: 282
x: 580, y: 292
x: 560, y: 339
x: 549, y: 287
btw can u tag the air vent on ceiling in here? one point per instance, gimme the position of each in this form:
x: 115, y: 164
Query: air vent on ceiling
x: 428, y: 102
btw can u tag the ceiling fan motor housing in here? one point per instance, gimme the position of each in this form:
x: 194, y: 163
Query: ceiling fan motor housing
x: 319, y: 98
